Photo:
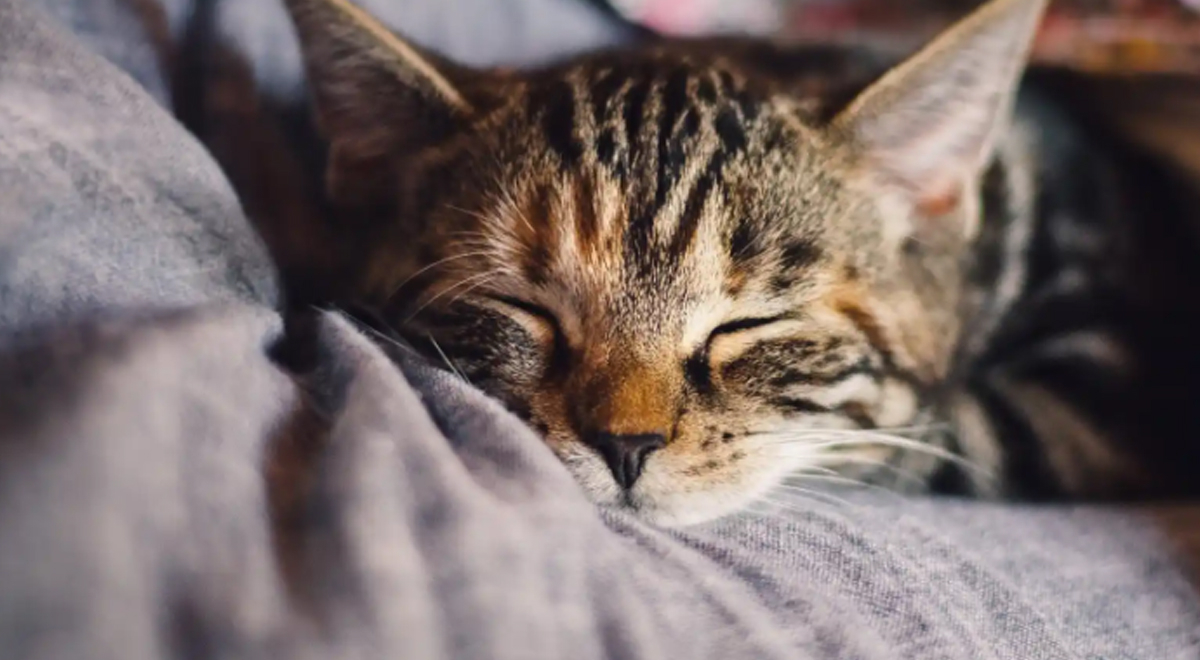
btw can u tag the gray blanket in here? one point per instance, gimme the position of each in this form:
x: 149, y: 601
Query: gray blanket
x: 176, y: 480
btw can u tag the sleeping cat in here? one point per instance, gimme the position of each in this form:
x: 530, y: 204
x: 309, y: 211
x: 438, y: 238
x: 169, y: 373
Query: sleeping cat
x: 700, y: 268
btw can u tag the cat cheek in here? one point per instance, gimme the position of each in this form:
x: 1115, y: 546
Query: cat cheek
x: 548, y: 412
x: 537, y: 331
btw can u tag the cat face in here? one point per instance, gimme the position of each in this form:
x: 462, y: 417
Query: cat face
x: 670, y: 335
x: 682, y: 274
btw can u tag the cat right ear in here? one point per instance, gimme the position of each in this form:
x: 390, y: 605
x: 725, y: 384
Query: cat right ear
x: 928, y: 127
x: 376, y: 95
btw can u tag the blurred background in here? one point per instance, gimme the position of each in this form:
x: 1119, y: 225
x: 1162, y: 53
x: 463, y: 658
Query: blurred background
x: 1096, y: 35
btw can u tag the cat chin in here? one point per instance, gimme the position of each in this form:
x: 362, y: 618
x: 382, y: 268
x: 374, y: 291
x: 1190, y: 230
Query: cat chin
x: 689, y: 511
x: 665, y: 499
x: 670, y: 507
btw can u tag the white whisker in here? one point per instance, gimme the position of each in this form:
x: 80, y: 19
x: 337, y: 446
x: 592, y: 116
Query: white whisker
x: 509, y: 204
x: 459, y: 296
x: 382, y: 337
x: 818, y: 443
x: 489, y: 220
x: 794, y: 505
x: 820, y: 440
x: 463, y: 282
x: 889, y: 430
x: 841, y: 481
x: 914, y: 446
x: 814, y: 494
x: 439, y: 262
x: 907, y: 476
x: 480, y: 239
x: 446, y: 359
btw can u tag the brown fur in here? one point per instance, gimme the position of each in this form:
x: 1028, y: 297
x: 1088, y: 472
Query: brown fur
x: 680, y: 244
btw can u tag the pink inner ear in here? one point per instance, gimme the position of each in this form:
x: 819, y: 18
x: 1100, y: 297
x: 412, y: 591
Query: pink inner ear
x: 932, y: 191
x: 940, y: 201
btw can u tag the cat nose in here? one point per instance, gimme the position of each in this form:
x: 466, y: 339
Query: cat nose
x: 626, y: 454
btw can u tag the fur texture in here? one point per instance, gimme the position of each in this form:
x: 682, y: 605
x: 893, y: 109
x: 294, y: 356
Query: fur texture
x: 701, y: 268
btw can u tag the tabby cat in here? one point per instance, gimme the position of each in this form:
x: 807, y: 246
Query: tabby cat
x: 700, y: 268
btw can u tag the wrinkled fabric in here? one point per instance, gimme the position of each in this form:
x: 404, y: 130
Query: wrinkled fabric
x: 106, y: 204
x: 181, y: 478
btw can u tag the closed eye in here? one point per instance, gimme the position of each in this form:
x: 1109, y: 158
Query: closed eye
x: 541, y: 313
x: 537, y: 315
x: 699, y: 365
x: 560, y: 350
x: 741, y: 325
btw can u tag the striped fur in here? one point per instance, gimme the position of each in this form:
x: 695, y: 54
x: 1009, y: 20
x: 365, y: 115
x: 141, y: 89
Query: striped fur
x: 710, y: 245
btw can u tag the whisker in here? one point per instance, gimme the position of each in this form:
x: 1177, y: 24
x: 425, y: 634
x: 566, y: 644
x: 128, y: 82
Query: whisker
x: 768, y: 508
x: 908, y: 476
x: 439, y: 262
x: 490, y: 220
x: 815, y: 494
x: 814, y: 472
x: 810, y: 470
x: 819, y: 442
x: 795, y: 505
x: 459, y: 296
x: 919, y: 448
x: 843, y: 481
x: 837, y: 440
x: 510, y: 204
x: 389, y: 340
x: 831, y: 441
x: 446, y: 359
x: 465, y: 281
x: 474, y: 237
x: 887, y: 430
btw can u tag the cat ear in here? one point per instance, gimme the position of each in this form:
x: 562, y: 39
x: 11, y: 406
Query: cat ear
x: 928, y: 126
x: 375, y: 94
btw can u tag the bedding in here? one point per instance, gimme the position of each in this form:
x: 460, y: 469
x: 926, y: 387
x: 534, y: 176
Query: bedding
x: 185, y: 475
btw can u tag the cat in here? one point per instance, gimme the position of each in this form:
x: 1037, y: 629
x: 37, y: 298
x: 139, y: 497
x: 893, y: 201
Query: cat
x: 702, y: 268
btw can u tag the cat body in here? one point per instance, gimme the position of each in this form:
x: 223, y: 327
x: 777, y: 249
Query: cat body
x: 701, y: 268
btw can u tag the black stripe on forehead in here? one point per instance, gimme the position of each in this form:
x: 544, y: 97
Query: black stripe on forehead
x: 693, y: 209
x: 645, y: 97
x: 732, y: 140
x: 671, y: 147
x: 603, y: 90
x: 558, y: 120
x: 586, y: 216
x: 633, y: 110
x: 796, y: 256
x: 799, y: 253
x: 706, y: 89
x: 643, y: 120
x: 606, y: 152
x: 747, y: 241
x: 731, y: 132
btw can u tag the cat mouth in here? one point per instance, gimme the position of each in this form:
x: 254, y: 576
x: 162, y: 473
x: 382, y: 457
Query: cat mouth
x: 679, y: 504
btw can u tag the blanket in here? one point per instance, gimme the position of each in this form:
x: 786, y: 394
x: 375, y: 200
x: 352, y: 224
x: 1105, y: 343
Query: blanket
x: 183, y: 475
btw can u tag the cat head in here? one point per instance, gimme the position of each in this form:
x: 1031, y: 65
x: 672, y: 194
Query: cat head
x: 691, y: 276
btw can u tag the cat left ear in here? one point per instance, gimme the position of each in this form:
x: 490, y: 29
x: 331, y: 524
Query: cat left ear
x: 376, y: 95
x: 928, y: 127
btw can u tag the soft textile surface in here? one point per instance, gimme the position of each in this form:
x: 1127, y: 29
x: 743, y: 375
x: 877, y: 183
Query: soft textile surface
x: 167, y: 489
